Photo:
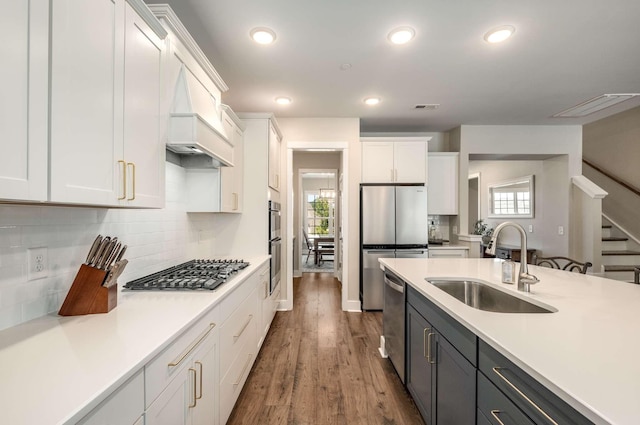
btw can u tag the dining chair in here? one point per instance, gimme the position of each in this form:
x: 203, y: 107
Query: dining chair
x: 562, y: 263
x: 310, y: 247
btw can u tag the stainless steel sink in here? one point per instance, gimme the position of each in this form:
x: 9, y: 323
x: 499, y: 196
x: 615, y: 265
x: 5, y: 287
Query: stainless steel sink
x: 484, y: 297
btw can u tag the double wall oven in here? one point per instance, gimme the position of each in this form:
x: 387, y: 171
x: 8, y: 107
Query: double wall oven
x: 275, y: 244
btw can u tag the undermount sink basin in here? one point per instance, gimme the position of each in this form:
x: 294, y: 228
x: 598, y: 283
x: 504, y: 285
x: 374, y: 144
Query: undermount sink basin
x: 484, y: 297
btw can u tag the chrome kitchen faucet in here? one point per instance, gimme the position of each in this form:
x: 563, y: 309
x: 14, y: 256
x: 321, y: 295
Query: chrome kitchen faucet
x: 524, y: 278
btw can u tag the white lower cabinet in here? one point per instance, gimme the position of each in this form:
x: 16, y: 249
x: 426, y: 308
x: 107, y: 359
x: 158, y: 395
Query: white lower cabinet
x: 448, y: 252
x: 190, y: 398
x: 124, y: 406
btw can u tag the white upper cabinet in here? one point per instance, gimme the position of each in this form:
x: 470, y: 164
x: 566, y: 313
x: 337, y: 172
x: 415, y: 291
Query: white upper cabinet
x: 23, y: 104
x: 144, y: 149
x: 394, y: 160
x: 105, y: 106
x: 274, y: 158
x: 443, y: 183
x: 231, y: 178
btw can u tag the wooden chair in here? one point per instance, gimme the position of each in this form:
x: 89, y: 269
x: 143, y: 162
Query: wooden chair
x: 562, y: 263
x: 310, y: 247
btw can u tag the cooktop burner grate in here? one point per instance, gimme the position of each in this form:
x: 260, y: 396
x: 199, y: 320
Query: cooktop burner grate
x: 192, y: 275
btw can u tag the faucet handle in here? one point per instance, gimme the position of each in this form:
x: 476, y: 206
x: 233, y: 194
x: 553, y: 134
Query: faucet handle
x: 529, y: 279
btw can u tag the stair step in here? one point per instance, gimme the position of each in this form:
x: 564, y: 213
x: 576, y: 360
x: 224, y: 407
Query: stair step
x: 612, y: 239
x: 625, y: 252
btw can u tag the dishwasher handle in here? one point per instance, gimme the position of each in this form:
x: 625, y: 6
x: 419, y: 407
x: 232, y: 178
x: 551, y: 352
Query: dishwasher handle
x: 393, y: 285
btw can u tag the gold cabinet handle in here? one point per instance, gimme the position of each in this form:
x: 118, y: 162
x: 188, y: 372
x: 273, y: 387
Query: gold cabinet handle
x: 235, y: 201
x: 200, y: 380
x: 124, y: 180
x: 195, y: 400
x: 266, y: 290
x: 494, y: 413
x: 523, y: 395
x: 431, y: 358
x: 277, y: 181
x: 133, y: 182
x: 186, y: 352
x: 235, y: 384
x: 236, y: 337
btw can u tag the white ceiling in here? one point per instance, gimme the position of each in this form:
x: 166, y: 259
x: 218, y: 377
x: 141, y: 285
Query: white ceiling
x: 562, y: 53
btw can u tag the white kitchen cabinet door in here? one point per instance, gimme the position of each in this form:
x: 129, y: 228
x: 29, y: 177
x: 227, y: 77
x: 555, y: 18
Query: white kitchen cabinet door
x: 442, y: 193
x: 274, y: 158
x: 377, y: 162
x: 205, y: 363
x: 23, y: 104
x: 410, y: 162
x: 172, y: 406
x: 144, y: 151
x: 231, y: 178
x: 87, y: 43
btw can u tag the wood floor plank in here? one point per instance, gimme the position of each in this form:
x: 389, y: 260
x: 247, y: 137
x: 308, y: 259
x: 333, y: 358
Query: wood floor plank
x: 319, y: 365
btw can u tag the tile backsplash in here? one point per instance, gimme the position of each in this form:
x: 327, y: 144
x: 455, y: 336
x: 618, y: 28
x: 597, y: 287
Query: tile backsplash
x: 156, y: 239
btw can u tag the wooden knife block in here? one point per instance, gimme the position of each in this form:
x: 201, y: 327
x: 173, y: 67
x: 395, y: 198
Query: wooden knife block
x: 87, y: 295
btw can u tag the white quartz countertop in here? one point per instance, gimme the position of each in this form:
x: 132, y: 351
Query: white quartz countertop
x: 56, y: 369
x: 587, y: 352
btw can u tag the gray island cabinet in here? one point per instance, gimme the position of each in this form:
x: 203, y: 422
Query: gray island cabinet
x: 456, y: 378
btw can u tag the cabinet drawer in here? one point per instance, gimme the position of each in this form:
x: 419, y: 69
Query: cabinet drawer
x: 535, y: 400
x: 496, y: 407
x: 460, y: 337
x: 447, y: 253
x: 233, y: 381
x: 239, y: 329
x: 238, y: 296
x: 166, y: 365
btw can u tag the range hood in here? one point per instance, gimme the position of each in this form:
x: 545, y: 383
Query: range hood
x: 195, y: 124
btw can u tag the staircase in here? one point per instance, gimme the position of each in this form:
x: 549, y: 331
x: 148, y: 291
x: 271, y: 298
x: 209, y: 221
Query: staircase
x: 619, y: 254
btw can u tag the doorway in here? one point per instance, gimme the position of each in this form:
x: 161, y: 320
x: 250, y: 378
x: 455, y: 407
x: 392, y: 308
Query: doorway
x: 474, y: 200
x: 294, y: 227
x: 319, y: 219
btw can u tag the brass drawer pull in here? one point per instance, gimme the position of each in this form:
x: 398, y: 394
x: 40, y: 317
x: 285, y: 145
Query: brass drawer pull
x: 195, y: 400
x: 523, y: 395
x: 200, y: 380
x: 179, y: 360
x: 236, y: 337
x: 133, y: 182
x: 494, y: 413
x: 235, y: 384
x: 124, y: 180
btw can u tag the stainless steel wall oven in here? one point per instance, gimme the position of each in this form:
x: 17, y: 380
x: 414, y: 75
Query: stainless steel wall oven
x: 275, y: 244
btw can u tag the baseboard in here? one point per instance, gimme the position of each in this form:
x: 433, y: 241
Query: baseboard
x: 353, y: 306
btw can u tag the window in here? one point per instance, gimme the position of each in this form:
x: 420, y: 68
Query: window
x: 512, y: 199
x: 320, y: 212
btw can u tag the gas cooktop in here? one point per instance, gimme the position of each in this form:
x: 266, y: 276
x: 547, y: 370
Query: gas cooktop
x: 192, y: 275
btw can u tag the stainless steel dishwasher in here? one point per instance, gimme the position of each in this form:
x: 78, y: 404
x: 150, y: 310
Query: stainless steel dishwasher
x: 393, y: 320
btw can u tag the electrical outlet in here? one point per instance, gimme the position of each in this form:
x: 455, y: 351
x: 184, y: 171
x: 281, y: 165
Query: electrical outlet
x: 38, y: 263
x: 560, y: 230
x: 531, y: 228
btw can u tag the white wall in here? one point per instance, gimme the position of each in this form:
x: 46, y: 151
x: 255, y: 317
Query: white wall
x: 516, y: 140
x: 322, y: 130
x: 156, y: 239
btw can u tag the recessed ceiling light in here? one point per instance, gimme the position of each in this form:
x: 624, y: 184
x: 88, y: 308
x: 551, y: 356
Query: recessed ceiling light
x: 372, y: 100
x: 283, y: 100
x: 401, y: 35
x: 499, y: 34
x: 263, y: 35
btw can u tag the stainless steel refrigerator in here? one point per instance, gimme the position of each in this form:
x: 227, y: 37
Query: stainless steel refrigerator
x: 393, y: 224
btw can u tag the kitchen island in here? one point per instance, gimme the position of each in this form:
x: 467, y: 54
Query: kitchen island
x: 58, y: 370
x: 586, y: 353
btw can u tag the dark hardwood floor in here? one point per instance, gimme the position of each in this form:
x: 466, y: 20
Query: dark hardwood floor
x: 320, y: 365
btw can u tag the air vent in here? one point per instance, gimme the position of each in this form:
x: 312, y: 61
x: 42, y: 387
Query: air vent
x: 594, y: 105
x: 427, y: 106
